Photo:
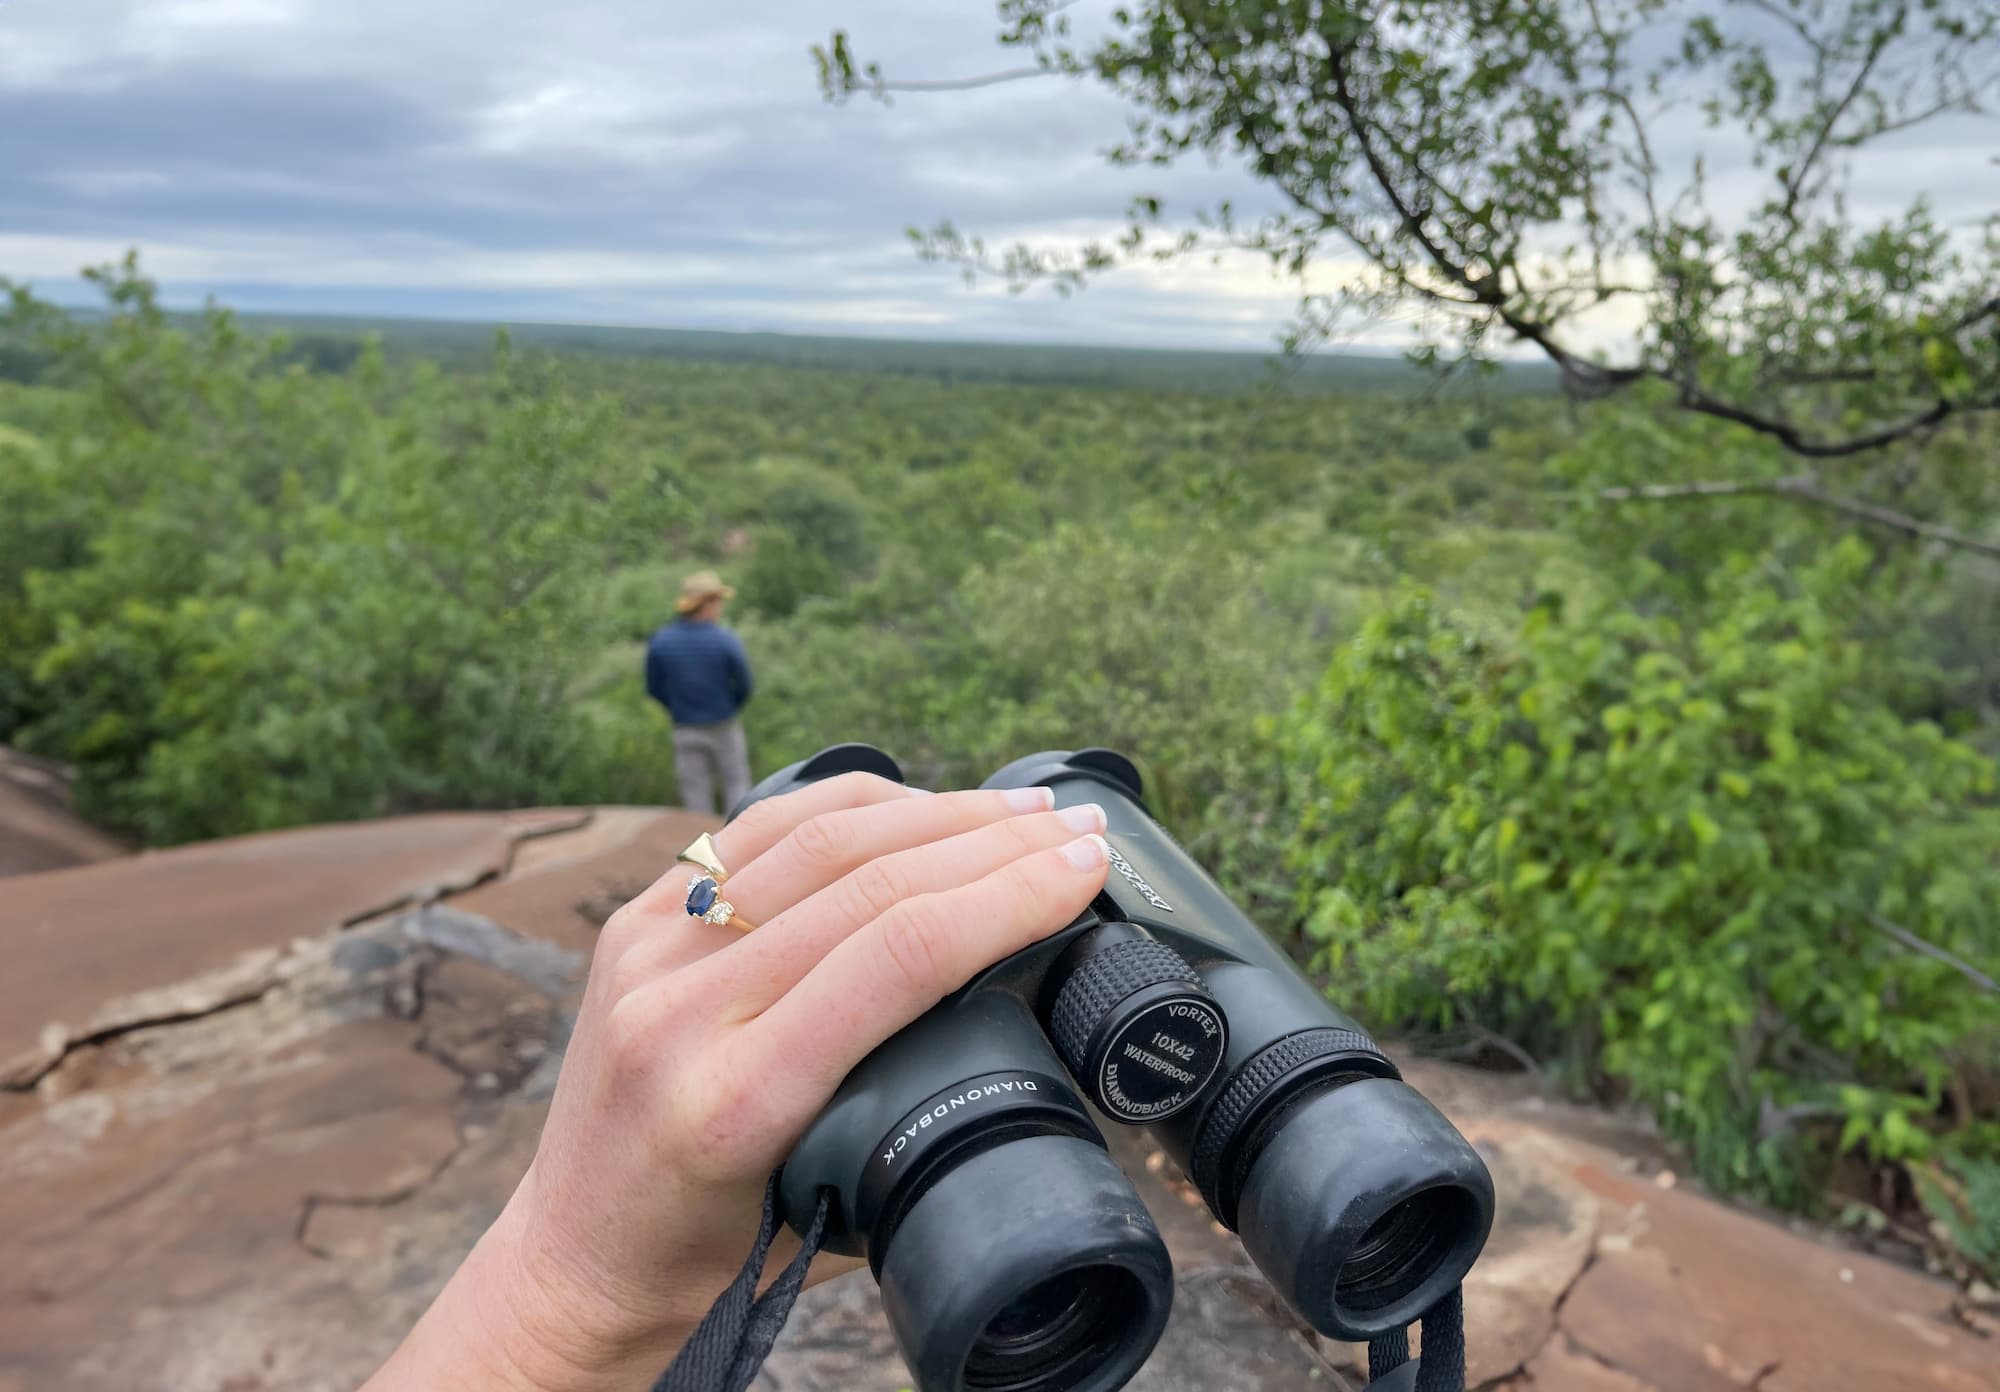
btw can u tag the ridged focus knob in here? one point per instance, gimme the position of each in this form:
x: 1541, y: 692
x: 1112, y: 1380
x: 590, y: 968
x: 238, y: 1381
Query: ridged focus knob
x: 1138, y: 1030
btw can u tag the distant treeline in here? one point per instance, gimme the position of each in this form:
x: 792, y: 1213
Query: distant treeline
x: 332, y: 343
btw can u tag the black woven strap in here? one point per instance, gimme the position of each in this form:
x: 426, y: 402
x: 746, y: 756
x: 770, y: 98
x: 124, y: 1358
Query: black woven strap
x: 735, y: 1336
x: 1442, y: 1367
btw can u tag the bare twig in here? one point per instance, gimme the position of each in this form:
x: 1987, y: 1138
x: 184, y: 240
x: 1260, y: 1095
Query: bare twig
x: 1504, y: 1045
x: 1794, y: 185
x: 1932, y: 950
x: 1806, y: 489
x: 879, y: 85
x: 1773, y: 1120
x: 1790, y: 21
x: 1483, y: 1035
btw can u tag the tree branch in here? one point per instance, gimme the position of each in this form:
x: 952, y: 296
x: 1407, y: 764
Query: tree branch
x: 879, y: 85
x: 840, y: 76
x: 1486, y: 290
x: 1804, y: 488
x: 1932, y: 950
x: 1790, y: 21
x: 1698, y: 400
x: 1978, y: 312
x: 1794, y: 184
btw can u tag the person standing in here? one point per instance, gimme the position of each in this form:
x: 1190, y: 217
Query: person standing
x: 698, y: 670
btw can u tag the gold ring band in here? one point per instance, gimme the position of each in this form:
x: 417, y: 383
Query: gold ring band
x: 700, y: 853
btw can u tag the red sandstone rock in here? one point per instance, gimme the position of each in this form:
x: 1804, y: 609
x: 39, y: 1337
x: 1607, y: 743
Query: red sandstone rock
x: 264, y: 1194
x: 175, y: 933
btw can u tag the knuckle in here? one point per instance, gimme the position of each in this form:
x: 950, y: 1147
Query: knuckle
x: 630, y: 970
x: 827, y: 839
x: 879, y: 886
x: 1024, y: 885
x: 631, y: 1036
x: 619, y: 932
x: 1026, y: 834
x: 760, y: 823
x: 860, y: 789
x: 916, y: 943
x: 721, y: 1120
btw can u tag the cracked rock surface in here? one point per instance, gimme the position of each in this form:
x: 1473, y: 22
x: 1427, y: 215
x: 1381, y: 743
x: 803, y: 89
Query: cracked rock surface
x: 261, y: 1096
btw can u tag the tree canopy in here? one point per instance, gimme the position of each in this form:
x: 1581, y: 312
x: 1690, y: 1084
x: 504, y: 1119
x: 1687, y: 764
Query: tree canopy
x: 1659, y: 192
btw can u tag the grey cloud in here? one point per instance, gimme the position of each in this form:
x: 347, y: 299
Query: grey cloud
x: 700, y: 152
x: 613, y: 160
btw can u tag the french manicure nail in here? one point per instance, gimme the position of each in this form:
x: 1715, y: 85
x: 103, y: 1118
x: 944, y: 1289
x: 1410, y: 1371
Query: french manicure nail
x: 1030, y: 799
x: 1085, y: 816
x: 1086, y: 853
x: 915, y: 792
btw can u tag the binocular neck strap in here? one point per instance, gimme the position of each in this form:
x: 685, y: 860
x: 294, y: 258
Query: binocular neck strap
x: 1442, y: 1367
x: 735, y: 1336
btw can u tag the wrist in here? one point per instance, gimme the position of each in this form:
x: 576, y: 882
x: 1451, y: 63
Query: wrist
x: 520, y: 1315
x: 562, y: 1325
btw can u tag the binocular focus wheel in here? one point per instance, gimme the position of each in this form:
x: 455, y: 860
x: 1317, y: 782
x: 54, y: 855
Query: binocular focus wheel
x: 1137, y: 1028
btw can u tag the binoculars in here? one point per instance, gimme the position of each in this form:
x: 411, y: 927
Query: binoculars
x: 964, y: 1162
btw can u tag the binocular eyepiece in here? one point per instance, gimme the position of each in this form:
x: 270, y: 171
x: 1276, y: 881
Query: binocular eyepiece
x: 963, y: 1160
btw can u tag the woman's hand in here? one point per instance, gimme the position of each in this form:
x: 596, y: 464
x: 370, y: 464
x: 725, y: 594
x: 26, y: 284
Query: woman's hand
x: 701, y: 1053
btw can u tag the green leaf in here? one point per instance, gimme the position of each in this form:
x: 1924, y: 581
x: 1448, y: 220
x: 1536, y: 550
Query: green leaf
x: 1704, y: 827
x: 1530, y: 874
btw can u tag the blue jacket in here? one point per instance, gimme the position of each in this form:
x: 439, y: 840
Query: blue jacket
x: 698, y: 671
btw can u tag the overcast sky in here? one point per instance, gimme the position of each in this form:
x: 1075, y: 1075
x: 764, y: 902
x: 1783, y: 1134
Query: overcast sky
x: 604, y: 161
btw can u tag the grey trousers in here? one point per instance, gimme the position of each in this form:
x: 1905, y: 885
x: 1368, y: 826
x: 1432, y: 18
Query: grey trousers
x: 705, y: 755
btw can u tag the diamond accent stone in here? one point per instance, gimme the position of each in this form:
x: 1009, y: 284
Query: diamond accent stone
x: 720, y: 912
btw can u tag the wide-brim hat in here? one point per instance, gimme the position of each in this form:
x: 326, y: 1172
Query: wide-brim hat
x: 698, y: 589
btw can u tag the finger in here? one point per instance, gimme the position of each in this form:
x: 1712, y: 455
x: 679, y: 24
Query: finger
x: 823, y: 848
x: 761, y: 967
x: 763, y: 824
x: 879, y: 979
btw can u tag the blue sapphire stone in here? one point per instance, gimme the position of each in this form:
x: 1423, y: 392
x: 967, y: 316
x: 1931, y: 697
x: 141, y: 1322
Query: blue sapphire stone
x: 701, y: 896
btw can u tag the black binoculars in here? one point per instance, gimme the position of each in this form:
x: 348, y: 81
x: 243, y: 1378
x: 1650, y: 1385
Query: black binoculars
x: 962, y: 1160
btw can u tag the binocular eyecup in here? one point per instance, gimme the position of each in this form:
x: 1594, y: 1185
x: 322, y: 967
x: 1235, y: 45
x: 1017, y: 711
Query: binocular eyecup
x: 1364, y: 1208
x: 1031, y: 1266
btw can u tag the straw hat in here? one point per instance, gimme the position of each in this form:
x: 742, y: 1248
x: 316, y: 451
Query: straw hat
x: 698, y: 589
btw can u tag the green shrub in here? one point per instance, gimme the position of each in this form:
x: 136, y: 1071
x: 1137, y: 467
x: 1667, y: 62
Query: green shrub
x: 238, y: 593
x: 1166, y: 639
x: 1961, y: 1193
x: 810, y: 538
x: 1667, y: 856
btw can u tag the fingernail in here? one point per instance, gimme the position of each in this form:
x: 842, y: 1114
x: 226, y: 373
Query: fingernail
x: 916, y: 792
x: 1086, y: 853
x: 1030, y: 799
x: 1085, y: 816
